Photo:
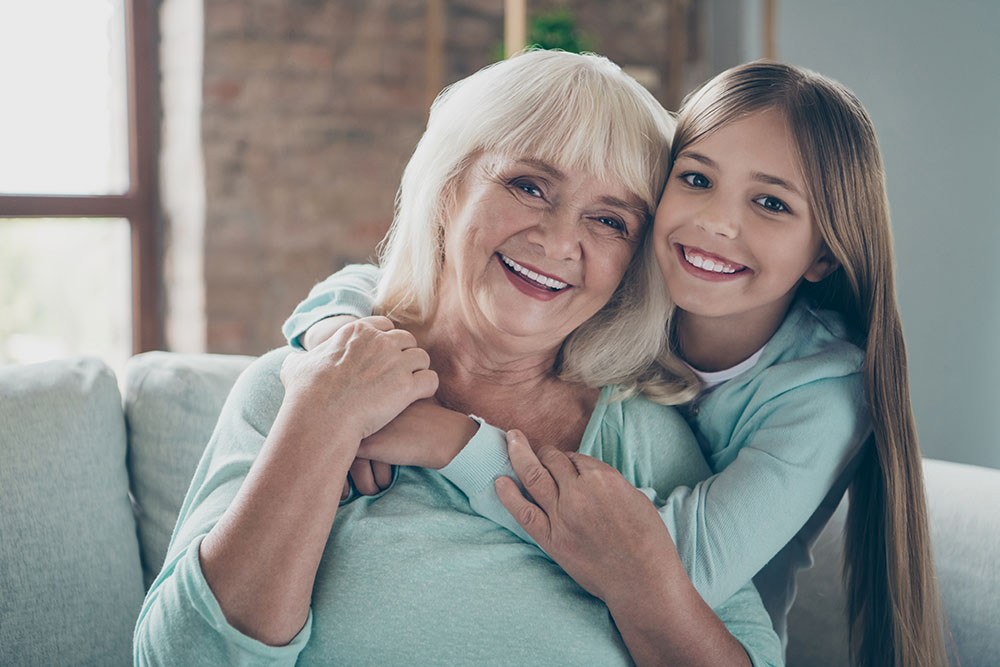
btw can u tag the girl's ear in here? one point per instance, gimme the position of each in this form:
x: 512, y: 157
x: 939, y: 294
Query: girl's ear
x: 824, y: 265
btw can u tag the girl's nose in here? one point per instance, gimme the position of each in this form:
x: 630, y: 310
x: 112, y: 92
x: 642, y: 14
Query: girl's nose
x: 720, y: 217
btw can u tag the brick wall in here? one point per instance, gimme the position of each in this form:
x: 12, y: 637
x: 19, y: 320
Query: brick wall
x: 310, y: 111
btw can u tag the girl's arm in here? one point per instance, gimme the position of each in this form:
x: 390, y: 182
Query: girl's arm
x: 238, y: 577
x: 350, y: 291
x: 796, y: 448
x: 799, y: 447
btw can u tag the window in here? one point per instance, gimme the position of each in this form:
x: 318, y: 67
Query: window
x: 78, y: 255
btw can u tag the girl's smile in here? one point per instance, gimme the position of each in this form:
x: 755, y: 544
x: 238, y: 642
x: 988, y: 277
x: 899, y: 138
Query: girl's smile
x: 707, y: 266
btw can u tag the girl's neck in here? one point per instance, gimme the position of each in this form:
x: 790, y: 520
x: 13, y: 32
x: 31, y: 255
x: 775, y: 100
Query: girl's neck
x: 716, y: 343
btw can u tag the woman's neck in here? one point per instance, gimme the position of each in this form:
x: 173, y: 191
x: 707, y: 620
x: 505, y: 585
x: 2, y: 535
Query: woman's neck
x: 509, y: 385
x: 463, y: 360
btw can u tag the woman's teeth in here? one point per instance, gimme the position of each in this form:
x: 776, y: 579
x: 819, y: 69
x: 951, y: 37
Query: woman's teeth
x: 706, y: 264
x: 544, y: 281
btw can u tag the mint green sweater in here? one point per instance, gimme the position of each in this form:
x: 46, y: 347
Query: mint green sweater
x: 414, y: 576
x: 781, y: 437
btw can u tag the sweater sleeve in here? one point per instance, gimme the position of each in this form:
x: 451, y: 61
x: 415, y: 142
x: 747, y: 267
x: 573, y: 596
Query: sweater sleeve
x: 728, y: 526
x: 350, y: 291
x: 181, y: 622
x: 791, y: 452
x: 747, y: 620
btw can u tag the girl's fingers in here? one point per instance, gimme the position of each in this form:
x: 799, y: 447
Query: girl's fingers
x: 527, y: 514
x: 535, y: 477
x: 382, y: 472
x: 347, y: 490
x: 364, y: 480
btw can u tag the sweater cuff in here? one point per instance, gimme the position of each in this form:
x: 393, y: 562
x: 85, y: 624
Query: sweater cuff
x: 193, y: 582
x: 481, y: 462
x: 343, y: 302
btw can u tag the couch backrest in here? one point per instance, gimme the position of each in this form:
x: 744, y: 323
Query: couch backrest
x: 172, y: 402
x: 964, y: 506
x: 70, y: 577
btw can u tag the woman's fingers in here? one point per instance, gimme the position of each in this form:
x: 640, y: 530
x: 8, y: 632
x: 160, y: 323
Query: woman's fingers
x: 534, y: 476
x: 417, y: 358
x: 527, y: 514
x: 425, y: 384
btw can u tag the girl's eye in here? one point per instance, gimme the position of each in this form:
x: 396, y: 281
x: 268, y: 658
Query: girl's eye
x: 696, y: 180
x: 772, y: 204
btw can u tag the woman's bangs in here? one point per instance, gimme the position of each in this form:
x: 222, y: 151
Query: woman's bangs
x: 579, y: 134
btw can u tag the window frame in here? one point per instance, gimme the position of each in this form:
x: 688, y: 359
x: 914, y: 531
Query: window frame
x: 139, y: 205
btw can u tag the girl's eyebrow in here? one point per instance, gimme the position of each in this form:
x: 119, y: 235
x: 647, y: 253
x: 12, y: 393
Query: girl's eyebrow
x: 761, y: 177
x: 758, y: 176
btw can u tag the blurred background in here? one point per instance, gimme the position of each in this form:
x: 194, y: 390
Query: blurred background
x: 176, y: 174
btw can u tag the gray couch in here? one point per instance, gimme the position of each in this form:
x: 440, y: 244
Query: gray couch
x: 90, y: 485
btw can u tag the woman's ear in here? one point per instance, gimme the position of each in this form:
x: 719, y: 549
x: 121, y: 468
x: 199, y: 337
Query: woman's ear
x: 824, y: 265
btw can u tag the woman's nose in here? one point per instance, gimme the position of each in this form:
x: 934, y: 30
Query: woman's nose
x: 558, y: 233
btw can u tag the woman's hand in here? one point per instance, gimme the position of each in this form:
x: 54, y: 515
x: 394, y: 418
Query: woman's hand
x: 610, y: 539
x: 601, y: 530
x: 360, y: 378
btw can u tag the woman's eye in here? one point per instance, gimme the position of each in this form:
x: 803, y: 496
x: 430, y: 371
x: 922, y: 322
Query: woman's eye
x: 529, y: 188
x: 772, y: 204
x: 613, y: 223
x: 696, y: 180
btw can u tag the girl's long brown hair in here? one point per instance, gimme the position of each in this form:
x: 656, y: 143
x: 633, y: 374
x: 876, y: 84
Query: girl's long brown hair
x: 894, y: 610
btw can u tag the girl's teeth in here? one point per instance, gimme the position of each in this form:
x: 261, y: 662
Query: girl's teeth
x: 708, y: 264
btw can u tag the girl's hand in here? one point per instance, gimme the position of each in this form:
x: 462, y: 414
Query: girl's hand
x: 599, y: 528
x: 425, y: 434
x: 360, y: 378
x: 370, y: 477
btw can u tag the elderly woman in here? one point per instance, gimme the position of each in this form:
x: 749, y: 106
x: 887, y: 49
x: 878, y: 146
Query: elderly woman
x: 514, y: 245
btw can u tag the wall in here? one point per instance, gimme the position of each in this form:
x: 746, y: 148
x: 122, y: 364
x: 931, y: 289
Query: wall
x: 310, y: 109
x: 927, y: 73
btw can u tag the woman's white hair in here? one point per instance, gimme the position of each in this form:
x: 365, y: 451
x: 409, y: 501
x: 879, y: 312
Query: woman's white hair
x: 571, y: 110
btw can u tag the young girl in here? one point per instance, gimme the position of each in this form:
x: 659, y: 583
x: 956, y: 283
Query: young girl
x: 787, y: 358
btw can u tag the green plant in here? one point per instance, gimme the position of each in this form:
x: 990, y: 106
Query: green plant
x: 554, y: 29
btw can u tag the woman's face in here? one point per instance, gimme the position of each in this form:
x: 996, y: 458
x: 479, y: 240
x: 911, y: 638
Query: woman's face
x: 532, y: 250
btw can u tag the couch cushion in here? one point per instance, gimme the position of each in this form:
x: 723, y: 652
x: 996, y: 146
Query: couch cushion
x: 70, y: 576
x: 965, y: 529
x: 172, y: 402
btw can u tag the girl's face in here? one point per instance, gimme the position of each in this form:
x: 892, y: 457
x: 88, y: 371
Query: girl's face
x: 733, y: 233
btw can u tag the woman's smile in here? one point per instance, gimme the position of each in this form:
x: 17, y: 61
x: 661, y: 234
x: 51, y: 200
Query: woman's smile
x: 532, y: 282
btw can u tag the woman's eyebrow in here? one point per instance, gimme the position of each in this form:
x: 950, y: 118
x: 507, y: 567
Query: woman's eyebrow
x: 634, y: 206
x: 543, y: 166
